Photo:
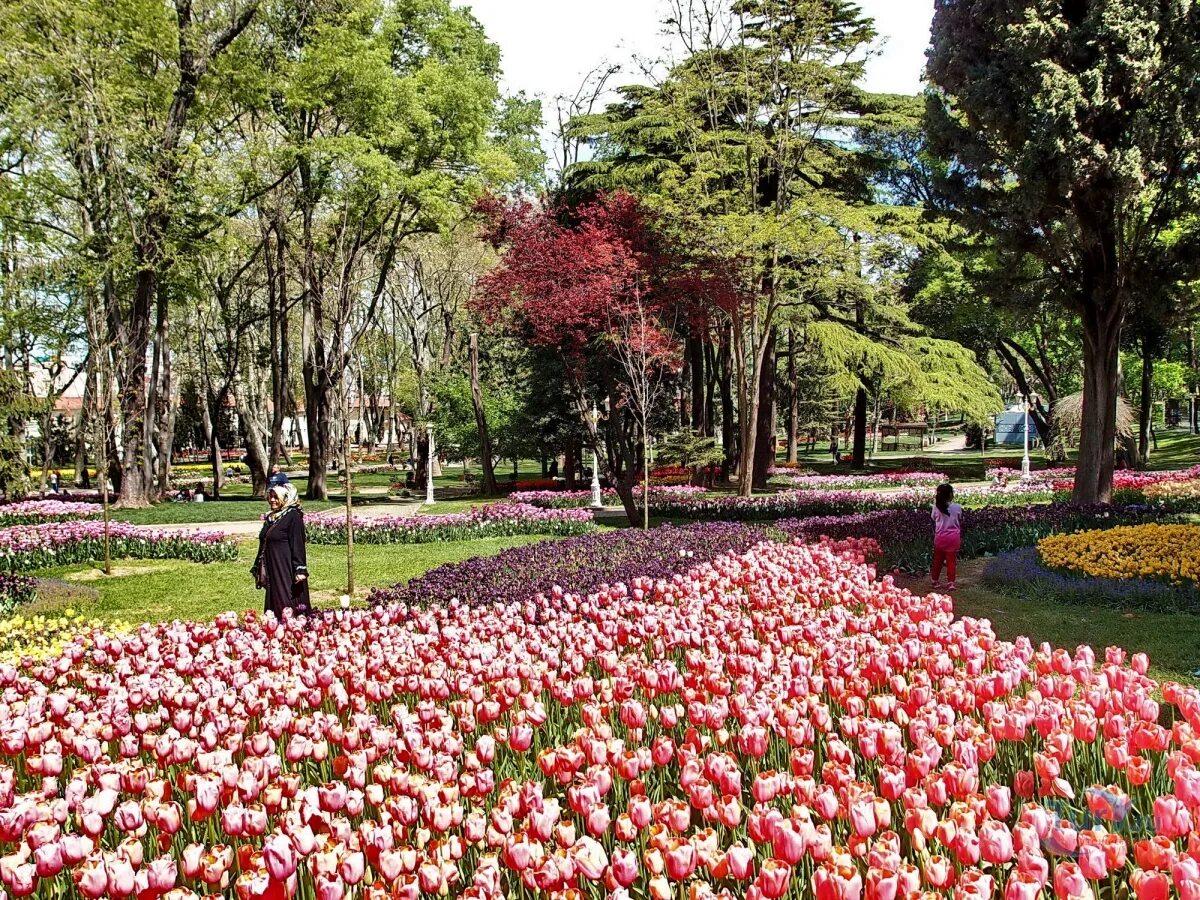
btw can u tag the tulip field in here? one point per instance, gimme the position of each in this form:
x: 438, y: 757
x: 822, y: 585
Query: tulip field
x: 773, y: 722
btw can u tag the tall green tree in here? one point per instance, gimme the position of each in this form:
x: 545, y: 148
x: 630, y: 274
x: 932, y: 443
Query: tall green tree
x: 1070, y: 130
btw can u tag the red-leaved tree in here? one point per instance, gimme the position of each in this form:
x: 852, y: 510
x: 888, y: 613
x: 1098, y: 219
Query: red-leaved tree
x: 593, y: 285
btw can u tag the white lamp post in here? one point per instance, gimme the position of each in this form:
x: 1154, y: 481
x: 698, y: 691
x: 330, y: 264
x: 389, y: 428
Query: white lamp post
x: 1025, y: 458
x: 597, y: 501
x: 429, y: 466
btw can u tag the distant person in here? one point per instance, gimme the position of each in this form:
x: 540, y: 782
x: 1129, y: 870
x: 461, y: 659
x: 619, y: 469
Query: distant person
x: 947, y: 535
x: 55, y: 479
x: 834, y: 448
x: 278, y: 477
x: 554, y: 467
x: 281, y: 565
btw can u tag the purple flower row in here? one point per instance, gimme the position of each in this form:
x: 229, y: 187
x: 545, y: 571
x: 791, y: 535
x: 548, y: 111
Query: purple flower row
x: 579, y: 565
x: 1022, y: 573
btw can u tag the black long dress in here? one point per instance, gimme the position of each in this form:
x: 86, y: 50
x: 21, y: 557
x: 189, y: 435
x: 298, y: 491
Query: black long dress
x: 282, y: 544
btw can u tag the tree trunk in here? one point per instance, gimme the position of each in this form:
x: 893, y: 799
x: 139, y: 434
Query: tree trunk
x: 858, y: 457
x: 317, y: 413
x: 485, y: 440
x: 684, y: 399
x: 1194, y: 412
x: 793, y: 429
x: 1101, y: 375
x: 1146, y: 409
x: 696, y: 352
x: 212, y: 435
x: 256, y: 446
x: 81, y: 429
x: 728, y: 433
x: 570, y: 462
x: 764, y: 439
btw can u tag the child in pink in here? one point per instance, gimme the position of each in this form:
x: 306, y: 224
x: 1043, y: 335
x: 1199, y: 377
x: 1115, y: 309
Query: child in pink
x: 947, y: 534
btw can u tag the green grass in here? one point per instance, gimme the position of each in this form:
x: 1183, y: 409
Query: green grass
x: 154, y: 591
x: 1176, y: 450
x: 1172, y: 641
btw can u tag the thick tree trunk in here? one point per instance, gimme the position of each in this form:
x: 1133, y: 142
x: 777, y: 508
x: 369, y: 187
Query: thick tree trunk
x: 256, y: 445
x: 485, y: 440
x: 134, y: 491
x: 764, y: 440
x: 1146, y: 406
x: 858, y: 454
x: 793, y: 428
x: 1101, y: 374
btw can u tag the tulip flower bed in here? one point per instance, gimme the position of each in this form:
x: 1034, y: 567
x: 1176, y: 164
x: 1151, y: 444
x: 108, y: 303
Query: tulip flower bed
x: 1131, y: 481
x: 495, y: 520
x: 1168, y: 553
x: 25, y: 548
x: 905, y: 537
x: 585, y: 564
x: 32, y: 512
x: 1022, y: 573
x: 1180, y: 496
x: 576, y: 499
x: 773, y: 724
x: 765, y: 507
x: 883, y: 480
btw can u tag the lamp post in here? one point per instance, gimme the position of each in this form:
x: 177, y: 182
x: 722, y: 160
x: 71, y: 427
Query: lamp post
x: 429, y: 467
x: 597, y: 501
x: 1025, y: 458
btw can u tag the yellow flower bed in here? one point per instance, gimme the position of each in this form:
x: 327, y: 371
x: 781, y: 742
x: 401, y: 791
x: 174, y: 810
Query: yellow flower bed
x: 39, y: 637
x: 1168, y: 552
x: 1172, y: 491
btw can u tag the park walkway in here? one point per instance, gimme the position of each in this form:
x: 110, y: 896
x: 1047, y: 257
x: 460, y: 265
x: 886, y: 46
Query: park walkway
x: 250, y: 528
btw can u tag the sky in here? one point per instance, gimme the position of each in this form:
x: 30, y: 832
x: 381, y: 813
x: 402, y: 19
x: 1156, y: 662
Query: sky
x: 549, y: 46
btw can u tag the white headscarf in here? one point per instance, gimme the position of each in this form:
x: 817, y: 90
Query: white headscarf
x: 287, y: 496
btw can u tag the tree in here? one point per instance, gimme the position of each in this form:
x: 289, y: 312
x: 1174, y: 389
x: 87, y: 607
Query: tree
x: 1070, y: 131
x: 17, y: 406
x: 592, y: 285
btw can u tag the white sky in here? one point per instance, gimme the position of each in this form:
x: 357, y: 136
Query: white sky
x: 550, y: 45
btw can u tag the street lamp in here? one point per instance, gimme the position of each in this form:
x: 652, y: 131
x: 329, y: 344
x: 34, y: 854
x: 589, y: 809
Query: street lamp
x: 1025, y: 459
x: 429, y: 466
x: 597, y: 501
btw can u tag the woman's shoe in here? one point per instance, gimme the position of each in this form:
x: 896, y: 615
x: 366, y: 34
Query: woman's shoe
x: 949, y: 585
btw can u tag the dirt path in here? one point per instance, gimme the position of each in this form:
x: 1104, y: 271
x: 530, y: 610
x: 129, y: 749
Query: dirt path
x: 251, y: 528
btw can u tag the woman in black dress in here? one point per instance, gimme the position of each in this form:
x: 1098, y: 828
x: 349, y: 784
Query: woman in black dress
x: 281, y: 565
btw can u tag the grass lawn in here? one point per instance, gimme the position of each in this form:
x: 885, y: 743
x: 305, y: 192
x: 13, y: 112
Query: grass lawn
x: 246, y: 509
x: 1176, y: 450
x: 1172, y: 641
x: 162, y: 590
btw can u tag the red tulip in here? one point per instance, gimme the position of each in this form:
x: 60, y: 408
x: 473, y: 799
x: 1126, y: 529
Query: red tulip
x: 1149, y: 885
x: 773, y: 879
